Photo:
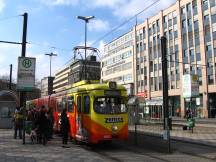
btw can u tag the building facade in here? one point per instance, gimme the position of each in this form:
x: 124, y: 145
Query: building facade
x: 46, y: 86
x: 61, y: 79
x: 117, y: 61
x: 190, y: 29
x: 77, y: 69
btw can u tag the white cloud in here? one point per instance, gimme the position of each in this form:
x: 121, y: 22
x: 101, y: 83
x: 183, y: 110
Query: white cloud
x: 107, y: 3
x: 101, y: 48
x: 43, y: 66
x: 128, y: 8
x: 59, y: 2
x: 9, y: 55
x: 2, y: 5
x: 98, y: 25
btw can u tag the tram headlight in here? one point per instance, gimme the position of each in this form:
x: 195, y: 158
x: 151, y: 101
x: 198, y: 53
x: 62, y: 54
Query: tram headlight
x: 114, y: 128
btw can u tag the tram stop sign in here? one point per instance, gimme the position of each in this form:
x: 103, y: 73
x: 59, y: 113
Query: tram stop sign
x: 26, y: 74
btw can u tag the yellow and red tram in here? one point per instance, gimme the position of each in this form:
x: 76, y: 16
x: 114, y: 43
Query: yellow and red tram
x: 96, y: 111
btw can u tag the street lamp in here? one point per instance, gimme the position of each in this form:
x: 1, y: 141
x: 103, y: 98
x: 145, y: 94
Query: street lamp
x: 86, y: 19
x: 50, y: 55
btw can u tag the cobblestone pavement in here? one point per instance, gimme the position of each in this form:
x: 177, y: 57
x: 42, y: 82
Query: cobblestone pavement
x: 12, y: 150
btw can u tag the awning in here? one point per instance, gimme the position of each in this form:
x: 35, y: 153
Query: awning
x: 153, y: 102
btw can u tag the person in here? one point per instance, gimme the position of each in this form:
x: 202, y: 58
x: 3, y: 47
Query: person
x: 64, y: 126
x: 187, y: 113
x: 42, y: 124
x: 18, y: 122
x: 178, y: 111
x: 108, y: 106
x: 50, y: 118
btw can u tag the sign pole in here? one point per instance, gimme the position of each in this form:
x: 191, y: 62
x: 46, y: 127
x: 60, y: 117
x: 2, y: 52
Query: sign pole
x: 23, y: 54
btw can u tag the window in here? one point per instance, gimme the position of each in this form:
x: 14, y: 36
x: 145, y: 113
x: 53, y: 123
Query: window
x: 183, y: 10
x: 174, y: 20
x: 191, y: 55
x: 194, y: 7
x: 205, y: 4
x: 165, y: 19
x: 79, y: 104
x: 170, y: 22
x: 198, y: 57
x: 86, y: 104
x: 144, y: 33
x: 213, y: 18
x: 70, y: 104
x: 208, y: 48
x: 190, y: 22
x: 110, y: 105
x: 183, y: 23
x: 212, y: 3
x: 170, y: 34
x: 188, y: 7
x: 196, y: 24
x: 175, y: 34
x: 206, y: 19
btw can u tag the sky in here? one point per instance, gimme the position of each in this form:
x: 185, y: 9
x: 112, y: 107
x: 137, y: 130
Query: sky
x: 53, y: 27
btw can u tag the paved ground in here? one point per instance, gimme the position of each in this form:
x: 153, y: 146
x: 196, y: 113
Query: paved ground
x: 203, y: 133
x: 12, y: 150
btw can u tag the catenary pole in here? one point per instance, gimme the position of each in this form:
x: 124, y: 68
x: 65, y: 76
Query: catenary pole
x: 167, y: 122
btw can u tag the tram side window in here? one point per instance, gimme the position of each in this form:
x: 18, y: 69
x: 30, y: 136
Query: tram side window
x: 70, y: 104
x: 64, y: 103
x: 86, y: 104
x: 59, y: 106
x: 79, y: 104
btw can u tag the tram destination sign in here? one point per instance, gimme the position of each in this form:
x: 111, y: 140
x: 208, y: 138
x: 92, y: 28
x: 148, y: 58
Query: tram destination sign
x: 26, y: 74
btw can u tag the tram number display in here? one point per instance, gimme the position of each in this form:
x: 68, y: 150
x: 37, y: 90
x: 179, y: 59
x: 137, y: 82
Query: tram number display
x: 114, y: 120
x: 112, y: 93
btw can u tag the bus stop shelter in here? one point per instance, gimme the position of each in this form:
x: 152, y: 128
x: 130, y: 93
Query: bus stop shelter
x: 8, y: 102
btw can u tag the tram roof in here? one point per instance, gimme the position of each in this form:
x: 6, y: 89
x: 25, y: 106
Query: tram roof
x: 91, y: 85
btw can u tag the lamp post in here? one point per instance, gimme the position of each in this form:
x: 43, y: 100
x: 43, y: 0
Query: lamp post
x: 86, y: 19
x: 50, y: 55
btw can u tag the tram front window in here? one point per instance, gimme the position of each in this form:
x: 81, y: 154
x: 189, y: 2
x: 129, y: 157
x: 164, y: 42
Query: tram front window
x: 109, y: 105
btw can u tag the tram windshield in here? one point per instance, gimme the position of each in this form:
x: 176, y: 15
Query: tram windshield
x: 110, y: 105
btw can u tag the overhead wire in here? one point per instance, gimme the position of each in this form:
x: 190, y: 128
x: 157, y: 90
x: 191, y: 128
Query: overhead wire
x: 9, y: 17
x: 125, y: 22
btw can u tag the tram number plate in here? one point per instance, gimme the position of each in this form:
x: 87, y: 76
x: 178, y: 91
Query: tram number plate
x: 114, y: 120
x: 112, y: 93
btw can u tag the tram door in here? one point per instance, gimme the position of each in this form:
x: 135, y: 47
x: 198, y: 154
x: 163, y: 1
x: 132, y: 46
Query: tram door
x: 83, y: 108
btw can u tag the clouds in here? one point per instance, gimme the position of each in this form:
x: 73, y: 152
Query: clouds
x: 9, y: 55
x: 2, y: 5
x: 104, y: 3
x: 98, y: 25
x: 59, y: 2
x: 128, y: 8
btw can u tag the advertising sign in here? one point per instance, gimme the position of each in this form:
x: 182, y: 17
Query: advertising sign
x: 190, y: 86
x: 26, y: 73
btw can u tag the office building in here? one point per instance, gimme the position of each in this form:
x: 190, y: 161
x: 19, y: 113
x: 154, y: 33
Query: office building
x: 190, y: 29
x: 117, y: 61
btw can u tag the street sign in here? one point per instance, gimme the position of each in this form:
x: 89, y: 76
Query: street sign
x: 190, y: 86
x: 26, y: 74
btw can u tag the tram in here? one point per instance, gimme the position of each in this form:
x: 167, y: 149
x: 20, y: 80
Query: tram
x: 97, y: 111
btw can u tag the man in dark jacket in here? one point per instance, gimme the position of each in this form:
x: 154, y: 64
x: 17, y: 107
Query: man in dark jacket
x: 43, y: 125
x: 64, y: 126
